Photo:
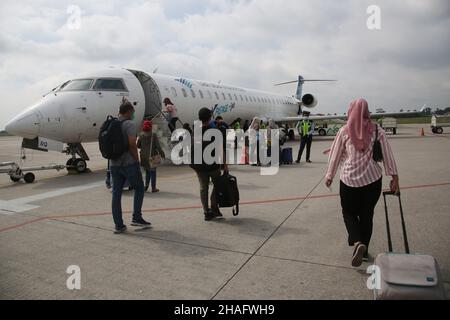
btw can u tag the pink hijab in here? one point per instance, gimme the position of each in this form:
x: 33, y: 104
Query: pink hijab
x: 359, y: 126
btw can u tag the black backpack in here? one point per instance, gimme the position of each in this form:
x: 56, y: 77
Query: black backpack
x: 111, y: 140
x: 227, y: 192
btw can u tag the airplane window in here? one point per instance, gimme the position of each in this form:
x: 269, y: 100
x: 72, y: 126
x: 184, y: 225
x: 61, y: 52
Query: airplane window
x: 201, y: 93
x: 174, y: 91
x: 166, y: 89
x: 235, y: 97
x: 109, y: 84
x: 78, y: 85
x: 193, y: 93
x: 242, y: 99
x: 229, y: 95
x: 259, y: 100
x: 246, y: 99
x: 223, y: 95
x: 184, y: 92
x: 217, y: 95
x: 62, y: 86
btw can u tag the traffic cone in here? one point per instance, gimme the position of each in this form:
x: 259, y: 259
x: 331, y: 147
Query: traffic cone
x: 422, y: 133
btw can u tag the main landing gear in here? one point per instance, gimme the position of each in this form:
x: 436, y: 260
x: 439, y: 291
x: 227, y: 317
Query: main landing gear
x: 75, y: 164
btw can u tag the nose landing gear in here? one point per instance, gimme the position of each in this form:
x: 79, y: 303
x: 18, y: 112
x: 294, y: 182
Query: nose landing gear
x: 75, y: 164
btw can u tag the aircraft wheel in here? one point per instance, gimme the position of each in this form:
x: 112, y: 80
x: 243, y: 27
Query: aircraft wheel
x: 29, y: 177
x: 69, y: 164
x: 14, y: 179
x: 439, y: 130
x: 80, y: 165
x: 322, y: 132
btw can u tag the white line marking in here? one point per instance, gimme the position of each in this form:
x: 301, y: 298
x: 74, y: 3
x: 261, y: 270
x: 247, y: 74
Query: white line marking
x: 22, y: 204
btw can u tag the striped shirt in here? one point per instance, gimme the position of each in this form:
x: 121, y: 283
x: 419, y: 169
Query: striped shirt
x: 358, y: 169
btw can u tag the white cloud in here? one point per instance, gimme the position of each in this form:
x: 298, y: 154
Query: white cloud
x: 248, y: 43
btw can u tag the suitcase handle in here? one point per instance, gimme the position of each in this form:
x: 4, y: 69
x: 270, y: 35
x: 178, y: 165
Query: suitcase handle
x: 405, y: 237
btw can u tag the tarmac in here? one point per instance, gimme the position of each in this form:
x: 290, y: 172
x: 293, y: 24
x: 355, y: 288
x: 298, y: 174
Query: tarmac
x: 288, y: 242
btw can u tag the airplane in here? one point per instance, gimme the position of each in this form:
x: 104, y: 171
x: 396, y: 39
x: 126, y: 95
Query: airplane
x: 73, y: 112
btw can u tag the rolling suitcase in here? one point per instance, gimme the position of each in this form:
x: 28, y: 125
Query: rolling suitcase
x: 227, y: 192
x: 406, y: 276
x: 286, y: 156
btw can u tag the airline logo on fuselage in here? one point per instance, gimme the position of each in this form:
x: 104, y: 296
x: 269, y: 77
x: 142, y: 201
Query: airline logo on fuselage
x: 185, y: 82
x: 218, y: 110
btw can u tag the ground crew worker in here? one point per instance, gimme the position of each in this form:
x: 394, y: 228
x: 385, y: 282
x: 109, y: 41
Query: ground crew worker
x: 305, y: 129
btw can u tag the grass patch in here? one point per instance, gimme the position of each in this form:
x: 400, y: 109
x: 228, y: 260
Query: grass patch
x: 418, y: 120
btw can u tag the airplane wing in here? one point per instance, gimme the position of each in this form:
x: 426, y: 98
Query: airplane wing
x: 344, y: 116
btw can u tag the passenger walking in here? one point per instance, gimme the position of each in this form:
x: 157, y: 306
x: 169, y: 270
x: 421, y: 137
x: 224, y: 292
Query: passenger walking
x: 360, y: 175
x: 236, y: 124
x: 206, y: 172
x: 246, y: 125
x: 254, y: 147
x: 126, y: 167
x: 172, y: 114
x: 150, y: 154
x: 306, y: 129
x: 271, y: 126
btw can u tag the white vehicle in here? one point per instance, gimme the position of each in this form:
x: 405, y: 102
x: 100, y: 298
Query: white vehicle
x: 73, y: 112
x: 389, y: 124
x: 438, y: 123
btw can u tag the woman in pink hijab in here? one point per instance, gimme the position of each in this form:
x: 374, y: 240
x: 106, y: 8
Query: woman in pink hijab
x: 360, y: 175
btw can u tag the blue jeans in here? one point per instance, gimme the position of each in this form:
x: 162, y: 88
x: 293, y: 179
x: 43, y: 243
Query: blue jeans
x: 120, y: 175
x: 108, y: 180
x: 150, y: 175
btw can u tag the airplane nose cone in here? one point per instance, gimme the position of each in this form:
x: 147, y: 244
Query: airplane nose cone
x: 24, y: 125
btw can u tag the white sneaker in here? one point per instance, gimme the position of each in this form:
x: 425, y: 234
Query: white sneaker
x: 357, y: 258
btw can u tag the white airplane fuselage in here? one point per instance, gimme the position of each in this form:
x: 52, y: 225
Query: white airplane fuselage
x: 71, y: 114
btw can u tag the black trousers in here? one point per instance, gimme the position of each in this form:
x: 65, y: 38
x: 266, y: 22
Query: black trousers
x: 305, y: 141
x: 358, y: 206
x: 173, y: 124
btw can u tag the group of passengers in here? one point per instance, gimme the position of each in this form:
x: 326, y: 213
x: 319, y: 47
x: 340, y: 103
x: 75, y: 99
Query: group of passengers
x: 352, y: 151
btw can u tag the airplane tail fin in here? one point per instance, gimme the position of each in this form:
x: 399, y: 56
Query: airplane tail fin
x: 300, y: 82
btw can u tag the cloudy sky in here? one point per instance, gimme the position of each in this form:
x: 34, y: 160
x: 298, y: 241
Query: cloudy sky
x: 247, y: 43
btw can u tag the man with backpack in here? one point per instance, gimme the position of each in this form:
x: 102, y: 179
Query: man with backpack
x: 206, y: 172
x: 118, y: 144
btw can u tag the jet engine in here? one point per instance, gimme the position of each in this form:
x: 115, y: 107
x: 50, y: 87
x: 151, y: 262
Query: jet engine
x: 309, y: 101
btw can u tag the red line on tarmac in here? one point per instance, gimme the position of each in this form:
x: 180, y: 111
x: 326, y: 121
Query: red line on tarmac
x: 22, y: 224
x: 97, y: 214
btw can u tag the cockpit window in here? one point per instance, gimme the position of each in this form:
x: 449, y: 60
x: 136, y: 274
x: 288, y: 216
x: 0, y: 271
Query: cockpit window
x: 109, y: 84
x: 78, y: 85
